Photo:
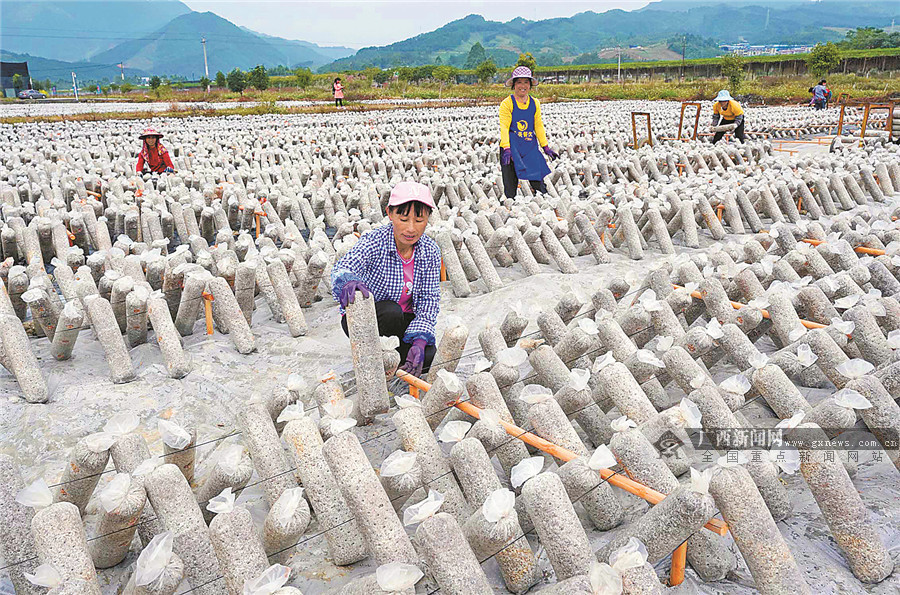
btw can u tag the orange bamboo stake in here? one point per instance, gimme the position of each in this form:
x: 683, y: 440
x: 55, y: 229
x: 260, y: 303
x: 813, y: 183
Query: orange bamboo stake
x: 207, y: 310
x: 443, y: 271
x: 679, y: 558
x: 627, y: 484
x: 860, y: 249
x: 765, y: 313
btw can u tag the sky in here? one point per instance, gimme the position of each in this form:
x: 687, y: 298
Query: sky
x: 358, y: 24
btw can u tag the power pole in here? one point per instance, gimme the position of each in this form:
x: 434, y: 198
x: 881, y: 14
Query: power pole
x: 122, y: 66
x: 75, y: 86
x: 205, y: 63
x: 683, y: 44
x: 619, y: 69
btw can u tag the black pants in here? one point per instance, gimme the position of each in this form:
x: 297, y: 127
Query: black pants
x: 511, y: 181
x: 338, y: 102
x: 392, y: 322
x: 738, y: 132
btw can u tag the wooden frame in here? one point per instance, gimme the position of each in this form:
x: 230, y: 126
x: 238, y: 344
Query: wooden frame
x: 634, y: 128
x: 685, y: 104
x: 889, y: 125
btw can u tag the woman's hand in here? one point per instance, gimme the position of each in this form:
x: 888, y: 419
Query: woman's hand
x: 415, y: 358
x: 505, y: 156
x: 553, y: 155
x: 348, y: 292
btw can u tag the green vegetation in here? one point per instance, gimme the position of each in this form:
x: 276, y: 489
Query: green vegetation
x: 772, y: 90
x: 476, y: 56
x: 486, y: 71
x: 867, y: 38
x: 17, y: 82
x: 383, y: 76
x: 527, y: 60
x: 258, y: 78
x: 733, y: 70
x: 443, y: 74
x: 823, y: 59
x: 237, y: 81
x: 662, y: 24
x: 304, y: 77
x: 204, y: 83
x: 155, y: 82
x: 220, y: 80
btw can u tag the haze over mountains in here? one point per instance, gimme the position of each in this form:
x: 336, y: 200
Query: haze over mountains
x: 163, y: 36
x: 148, y: 36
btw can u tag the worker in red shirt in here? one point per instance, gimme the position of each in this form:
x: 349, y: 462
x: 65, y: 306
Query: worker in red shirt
x: 153, y: 154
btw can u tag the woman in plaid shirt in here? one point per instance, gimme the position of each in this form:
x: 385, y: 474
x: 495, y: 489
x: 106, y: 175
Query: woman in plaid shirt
x: 400, y: 267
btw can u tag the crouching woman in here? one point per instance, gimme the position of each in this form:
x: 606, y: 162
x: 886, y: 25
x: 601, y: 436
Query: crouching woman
x: 400, y: 267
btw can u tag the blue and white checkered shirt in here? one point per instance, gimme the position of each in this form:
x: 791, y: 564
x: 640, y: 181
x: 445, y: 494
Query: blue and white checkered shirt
x: 374, y: 260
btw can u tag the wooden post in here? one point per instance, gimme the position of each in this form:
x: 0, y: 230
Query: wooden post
x: 207, y: 310
x: 679, y: 558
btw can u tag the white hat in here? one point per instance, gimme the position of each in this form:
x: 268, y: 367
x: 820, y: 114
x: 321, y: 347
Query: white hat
x: 724, y: 95
x: 521, y: 72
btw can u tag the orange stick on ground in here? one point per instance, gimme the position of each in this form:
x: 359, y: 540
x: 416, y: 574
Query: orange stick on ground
x: 679, y: 558
x: 207, y: 310
x: 860, y: 249
x: 765, y: 313
x: 650, y: 495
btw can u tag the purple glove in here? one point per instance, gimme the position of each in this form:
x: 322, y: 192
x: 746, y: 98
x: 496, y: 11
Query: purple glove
x: 348, y: 292
x: 553, y: 155
x: 415, y: 357
x: 505, y: 156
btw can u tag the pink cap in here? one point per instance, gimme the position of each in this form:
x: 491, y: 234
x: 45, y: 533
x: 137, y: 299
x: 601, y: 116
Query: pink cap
x: 405, y: 192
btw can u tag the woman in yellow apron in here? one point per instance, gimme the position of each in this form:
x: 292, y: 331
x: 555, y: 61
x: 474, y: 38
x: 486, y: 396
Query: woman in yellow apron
x: 728, y: 111
x: 521, y: 129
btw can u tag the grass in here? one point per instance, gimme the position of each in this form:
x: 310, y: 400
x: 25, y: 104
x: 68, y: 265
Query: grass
x: 767, y: 90
x: 193, y: 112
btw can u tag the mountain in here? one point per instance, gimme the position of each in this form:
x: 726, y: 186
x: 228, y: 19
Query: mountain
x: 554, y: 41
x: 61, y: 71
x: 66, y: 30
x: 328, y: 53
x: 175, y: 49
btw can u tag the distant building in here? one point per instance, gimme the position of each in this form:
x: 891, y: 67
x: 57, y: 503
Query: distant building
x: 7, y: 71
x: 744, y: 49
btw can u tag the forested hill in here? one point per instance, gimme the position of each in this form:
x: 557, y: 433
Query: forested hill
x: 554, y: 41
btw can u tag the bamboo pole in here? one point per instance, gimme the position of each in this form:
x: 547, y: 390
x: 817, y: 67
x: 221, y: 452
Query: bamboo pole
x: 650, y: 495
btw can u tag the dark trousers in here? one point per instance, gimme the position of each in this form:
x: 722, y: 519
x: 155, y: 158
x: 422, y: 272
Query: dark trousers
x: 392, y: 322
x: 511, y: 181
x: 338, y: 102
x: 738, y: 132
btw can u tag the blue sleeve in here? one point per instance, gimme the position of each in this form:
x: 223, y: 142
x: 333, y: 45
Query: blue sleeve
x: 351, y: 267
x: 428, y: 302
